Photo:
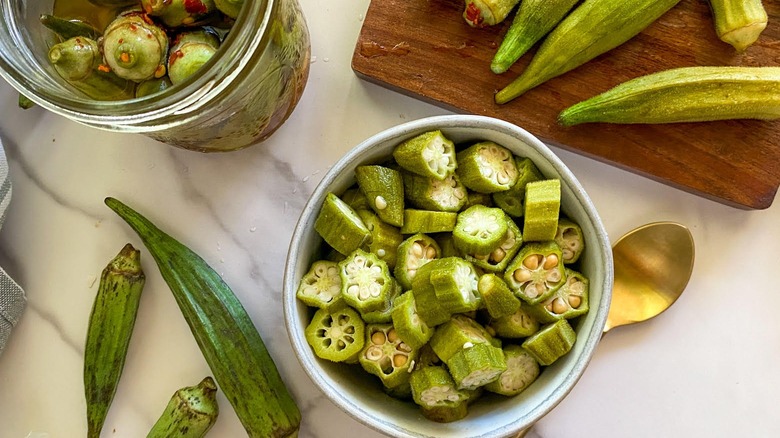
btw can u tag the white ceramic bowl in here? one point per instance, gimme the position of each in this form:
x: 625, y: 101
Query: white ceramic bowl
x: 359, y: 394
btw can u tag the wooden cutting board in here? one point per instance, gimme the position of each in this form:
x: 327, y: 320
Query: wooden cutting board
x: 425, y: 49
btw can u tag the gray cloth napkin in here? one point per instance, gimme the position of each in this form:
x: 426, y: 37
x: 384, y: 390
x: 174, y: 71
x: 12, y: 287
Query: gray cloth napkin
x: 12, y: 299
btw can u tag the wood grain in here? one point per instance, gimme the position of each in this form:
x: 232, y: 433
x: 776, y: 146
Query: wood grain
x: 424, y: 48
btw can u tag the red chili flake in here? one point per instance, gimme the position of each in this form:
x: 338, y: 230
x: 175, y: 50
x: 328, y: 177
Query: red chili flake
x: 121, y: 40
x: 473, y: 14
x: 195, y: 7
x: 104, y: 68
x: 174, y: 56
x: 147, y: 19
x: 133, y: 27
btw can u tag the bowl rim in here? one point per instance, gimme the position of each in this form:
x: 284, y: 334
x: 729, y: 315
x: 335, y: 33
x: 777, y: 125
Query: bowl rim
x: 407, y: 129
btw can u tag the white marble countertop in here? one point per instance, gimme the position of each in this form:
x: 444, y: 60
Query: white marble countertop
x: 707, y: 367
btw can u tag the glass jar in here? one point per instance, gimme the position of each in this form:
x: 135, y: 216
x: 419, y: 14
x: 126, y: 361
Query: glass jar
x: 239, y: 98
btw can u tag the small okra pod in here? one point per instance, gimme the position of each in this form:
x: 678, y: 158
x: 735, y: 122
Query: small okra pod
x: 366, y: 284
x: 429, y: 154
x: 427, y: 193
x: 480, y: 229
x: 487, y: 167
x: 536, y: 272
x: 542, y: 210
x: 337, y: 335
x: 569, y: 237
x: 134, y: 47
x: 111, y: 323
x: 498, y: 259
x: 78, y: 61
x: 413, y: 253
x: 386, y: 355
x: 454, y: 282
x: 519, y: 324
x: 521, y: 370
x: 739, y: 23
x: 384, y: 239
x: 551, y: 342
x: 384, y: 189
x: 340, y: 226
x: 482, y: 13
x: 428, y: 221
x: 190, y: 413
x: 67, y: 29
x: 498, y: 298
x: 511, y: 201
x: 433, y: 387
x: 175, y: 13
x: 321, y: 286
x: 686, y: 94
x: 456, y: 334
x: 189, y: 53
x: 476, y: 365
x: 410, y: 326
x: 569, y: 301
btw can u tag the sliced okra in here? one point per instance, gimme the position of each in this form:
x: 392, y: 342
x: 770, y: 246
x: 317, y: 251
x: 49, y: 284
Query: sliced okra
x: 498, y: 299
x: 542, y: 209
x: 336, y: 335
x: 498, y: 259
x: 427, y: 357
x: 408, y: 323
x: 433, y: 387
x: 428, y: 306
x: 476, y: 365
x: 384, y: 315
x: 384, y: 238
x: 428, y: 221
x: 413, y: 253
x: 520, y: 324
x: 521, y: 370
x: 426, y: 193
x: 511, y: 201
x: 536, y: 272
x: 447, y: 245
x: 487, y: 167
x: 386, y: 356
x: 355, y: 199
x: 551, y: 342
x: 446, y: 414
x: 400, y: 392
x: 454, y: 282
x: 456, y: 334
x: 569, y: 301
x: 480, y: 229
x: 340, y: 226
x: 430, y: 155
x: 384, y: 189
x: 366, y: 284
x: 321, y: 285
x: 569, y: 237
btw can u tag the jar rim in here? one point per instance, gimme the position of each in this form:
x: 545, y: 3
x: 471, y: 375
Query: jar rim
x: 248, y: 35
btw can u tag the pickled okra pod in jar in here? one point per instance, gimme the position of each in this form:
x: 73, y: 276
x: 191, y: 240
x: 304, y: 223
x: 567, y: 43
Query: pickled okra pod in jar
x: 454, y: 300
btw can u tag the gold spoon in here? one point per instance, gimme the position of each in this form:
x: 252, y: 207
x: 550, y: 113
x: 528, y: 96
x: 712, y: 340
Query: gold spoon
x: 653, y: 264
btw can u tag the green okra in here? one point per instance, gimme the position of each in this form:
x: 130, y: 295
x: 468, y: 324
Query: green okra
x: 428, y: 306
x: 413, y: 253
x: 67, y: 29
x: 476, y: 365
x: 433, y: 386
x: 428, y: 221
x: 429, y: 154
x: 569, y: 301
x: 536, y: 272
x: 498, y: 259
x: 533, y: 20
x: 521, y: 370
x: 407, y: 321
x: 321, y: 286
x: 457, y: 333
x: 593, y: 28
x: 355, y: 199
x: 686, y: 94
x: 336, y: 335
x: 79, y: 62
x: 135, y: 48
x: 487, y: 167
x: 386, y: 355
x: 739, y: 22
x: 385, y: 314
x: 189, y: 53
x: 519, y: 324
x: 499, y: 300
x: 427, y: 193
x: 226, y: 335
x: 111, y: 323
x: 571, y: 240
x: 480, y: 229
x: 190, y: 413
x: 454, y: 281
x: 384, y: 238
x: 340, y: 226
x: 175, y: 13
x: 384, y: 189
x: 482, y: 13
x: 477, y: 198
x: 551, y: 342
x: 366, y: 284
x: 511, y: 201
x: 541, y: 210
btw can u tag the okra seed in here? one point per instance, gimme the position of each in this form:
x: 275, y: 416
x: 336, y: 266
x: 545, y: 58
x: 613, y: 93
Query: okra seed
x: 532, y: 262
x: 380, y: 203
x: 558, y: 306
x: 353, y: 290
x: 349, y: 330
x: 567, y: 253
x: 381, y: 253
x: 430, y: 252
x: 503, y: 178
x: 498, y: 255
x: 521, y: 275
x: 575, y: 301
x: 554, y: 276
x: 551, y: 261
x: 378, y: 338
x: 392, y: 336
x: 417, y: 250
x: 404, y: 347
x: 399, y: 360
x: 374, y: 353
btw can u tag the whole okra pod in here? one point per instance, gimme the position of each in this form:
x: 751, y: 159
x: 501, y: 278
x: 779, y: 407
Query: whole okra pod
x: 108, y: 336
x: 190, y: 413
x: 739, y: 22
x: 79, y: 62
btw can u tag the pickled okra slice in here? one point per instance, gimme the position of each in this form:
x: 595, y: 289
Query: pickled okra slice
x: 498, y: 259
x: 569, y: 301
x: 551, y: 342
x: 384, y: 189
x: 426, y: 193
x: 321, y: 285
x: 340, y: 226
x: 366, y: 284
x: 542, y: 208
x: 384, y: 238
x: 433, y: 387
x: 521, y: 370
x: 413, y: 253
x: 480, y: 229
x: 519, y: 324
x: 337, y: 336
x: 498, y: 299
x: 430, y: 155
x: 487, y: 167
x: 511, y: 201
x: 536, y: 272
x: 428, y: 221
x: 408, y: 323
x: 569, y: 237
x: 476, y: 365
x: 386, y: 356
x: 456, y: 334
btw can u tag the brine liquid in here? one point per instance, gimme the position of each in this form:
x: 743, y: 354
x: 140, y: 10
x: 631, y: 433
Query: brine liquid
x: 97, y: 16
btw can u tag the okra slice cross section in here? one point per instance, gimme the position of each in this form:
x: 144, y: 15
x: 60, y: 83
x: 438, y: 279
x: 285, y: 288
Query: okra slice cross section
x: 386, y: 355
x: 433, y: 387
x: 454, y: 281
x: 569, y: 301
x: 429, y: 154
x: 487, y: 167
x: 498, y: 259
x: 480, y: 229
x: 569, y: 237
x: 337, y: 336
x: 427, y: 193
x: 413, y: 253
x: 536, y: 272
x: 521, y: 370
x: 321, y: 285
x: 366, y: 284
